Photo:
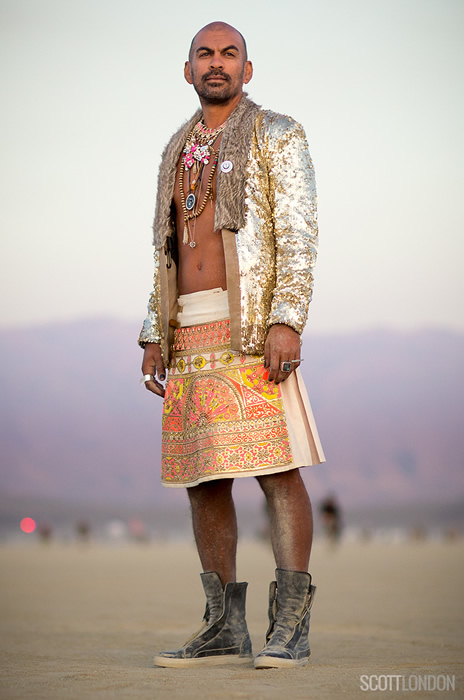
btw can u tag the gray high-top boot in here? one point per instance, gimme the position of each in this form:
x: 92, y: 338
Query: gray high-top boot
x: 290, y: 599
x: 223, y: 638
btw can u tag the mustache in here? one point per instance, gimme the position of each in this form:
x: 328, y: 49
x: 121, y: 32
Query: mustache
x: 215, y: 74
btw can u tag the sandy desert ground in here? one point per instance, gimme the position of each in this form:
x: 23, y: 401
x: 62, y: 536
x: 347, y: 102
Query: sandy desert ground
x: 84, y: 621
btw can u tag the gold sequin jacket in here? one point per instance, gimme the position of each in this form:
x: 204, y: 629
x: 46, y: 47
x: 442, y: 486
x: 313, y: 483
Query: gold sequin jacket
x: 266, y: 210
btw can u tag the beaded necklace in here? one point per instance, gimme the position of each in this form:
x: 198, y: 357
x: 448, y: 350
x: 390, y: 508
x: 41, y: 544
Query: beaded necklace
x: 197, y: 153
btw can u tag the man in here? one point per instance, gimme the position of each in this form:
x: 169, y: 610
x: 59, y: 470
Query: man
x: 235, y: 239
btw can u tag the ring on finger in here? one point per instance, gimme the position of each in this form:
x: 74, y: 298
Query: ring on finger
x: 147, y: 378
x: 287, y: 365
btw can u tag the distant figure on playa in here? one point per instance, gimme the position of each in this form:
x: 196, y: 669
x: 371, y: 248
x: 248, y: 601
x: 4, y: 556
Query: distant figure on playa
x: 83, y: 530
x: 235, y: 237
x: 45, y: 532
x: 331, y: 518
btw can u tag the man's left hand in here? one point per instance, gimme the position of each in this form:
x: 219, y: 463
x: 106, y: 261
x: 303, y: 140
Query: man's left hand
x: 282, y: 345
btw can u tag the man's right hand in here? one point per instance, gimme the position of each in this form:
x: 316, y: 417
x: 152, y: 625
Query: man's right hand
x: 153, y: 364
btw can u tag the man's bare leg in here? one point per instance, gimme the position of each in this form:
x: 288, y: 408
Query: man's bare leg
x: 215, y: 527
x: 224, y: 637
x: 291, y: 594
x: 291, y: 519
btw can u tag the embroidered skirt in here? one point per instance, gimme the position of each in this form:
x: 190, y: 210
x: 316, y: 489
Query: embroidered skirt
x: 223, y: 418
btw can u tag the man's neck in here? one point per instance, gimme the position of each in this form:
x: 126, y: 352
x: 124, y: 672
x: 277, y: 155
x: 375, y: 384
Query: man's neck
x: 215, y: 115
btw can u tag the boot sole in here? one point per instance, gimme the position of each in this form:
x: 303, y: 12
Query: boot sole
x: 275, y: 662
x: 166, y: 662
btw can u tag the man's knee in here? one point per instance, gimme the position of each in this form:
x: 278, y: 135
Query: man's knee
x: 268, y: 482
x: 210, y: 491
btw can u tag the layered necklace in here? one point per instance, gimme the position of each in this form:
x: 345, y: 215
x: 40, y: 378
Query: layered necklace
x: 198, y: 151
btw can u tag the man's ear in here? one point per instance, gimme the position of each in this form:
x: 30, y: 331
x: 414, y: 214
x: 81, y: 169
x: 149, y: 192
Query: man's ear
x: 188, y: 72
x: 248, y: 72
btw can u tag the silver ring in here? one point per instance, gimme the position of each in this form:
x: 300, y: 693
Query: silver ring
x: 147, y: 378
x: 300, y: 360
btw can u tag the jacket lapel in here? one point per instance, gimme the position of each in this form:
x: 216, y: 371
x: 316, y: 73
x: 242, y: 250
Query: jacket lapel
x: 230, y: 187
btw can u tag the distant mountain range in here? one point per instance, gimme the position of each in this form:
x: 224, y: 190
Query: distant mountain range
x: 76, y: 425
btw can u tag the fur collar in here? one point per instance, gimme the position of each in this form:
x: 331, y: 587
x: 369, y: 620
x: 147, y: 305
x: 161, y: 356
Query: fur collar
x: 230, y: 187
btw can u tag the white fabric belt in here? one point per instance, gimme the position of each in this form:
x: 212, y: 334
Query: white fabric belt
x: 203, y: 307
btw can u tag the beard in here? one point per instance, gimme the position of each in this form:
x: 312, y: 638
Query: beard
x: 216, y: 93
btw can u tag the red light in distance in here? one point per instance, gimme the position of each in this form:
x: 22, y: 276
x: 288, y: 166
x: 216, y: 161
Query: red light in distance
x: 27, y: 525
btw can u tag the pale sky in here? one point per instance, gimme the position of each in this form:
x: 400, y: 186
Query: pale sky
x: 93, y: 89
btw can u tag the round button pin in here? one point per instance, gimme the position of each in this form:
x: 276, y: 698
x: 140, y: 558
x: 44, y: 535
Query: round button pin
x: 226, y: 166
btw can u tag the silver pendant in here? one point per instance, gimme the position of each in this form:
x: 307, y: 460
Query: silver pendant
x: 190, y: 202
x: 192, y: 244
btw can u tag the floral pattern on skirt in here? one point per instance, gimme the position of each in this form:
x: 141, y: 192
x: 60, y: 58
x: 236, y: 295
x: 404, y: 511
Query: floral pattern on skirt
x: 221, y: 415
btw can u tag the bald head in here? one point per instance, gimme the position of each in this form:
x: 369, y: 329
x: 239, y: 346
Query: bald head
x: 218, y: 66
x: 218, y: 27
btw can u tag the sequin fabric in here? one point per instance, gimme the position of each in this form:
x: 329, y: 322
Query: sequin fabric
x: 281, y: 202
x: 221, y: 416
x: 276, y: 248
x: 152, y: 326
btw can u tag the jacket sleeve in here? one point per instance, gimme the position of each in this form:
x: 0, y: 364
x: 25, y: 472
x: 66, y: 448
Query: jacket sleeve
x: 151, y: 330
x: 294, y: 202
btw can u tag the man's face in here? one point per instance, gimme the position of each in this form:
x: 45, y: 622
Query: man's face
x: 218, y: 67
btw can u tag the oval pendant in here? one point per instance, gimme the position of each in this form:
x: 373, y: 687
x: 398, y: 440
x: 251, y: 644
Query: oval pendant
x: 190, y: 202
x: 192, y: 244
